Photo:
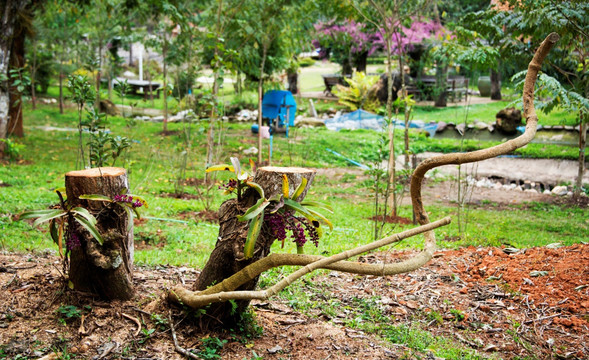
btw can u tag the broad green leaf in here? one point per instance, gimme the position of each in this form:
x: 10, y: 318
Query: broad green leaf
x: 300, y: 189
x: 55, y: 213
x: 85, y: 213
x: 252, y: 235
x: 257, y: 187
x: 90, y: 227
x: 285, y: 191
x: 222, y: 167
x: 319, y: 205
x: 129, y: 210
x: 36, y: 213
x: 254, y: 210
x: 95, y: 197
x: 322, y: 218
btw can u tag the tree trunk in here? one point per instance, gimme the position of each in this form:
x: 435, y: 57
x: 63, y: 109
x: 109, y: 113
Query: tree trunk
x: 260, y: 95
x: 34, y: 75
x: 164, y: 53
x: 17, y: 61
x: 293, y: 82
x: 495, y: 85
x: 441, y: 80
x: 104, y: 269
x: 361, y: 61
x: 227, y: 257
x: 8, y: 19
x: 61, y: 75
x: 582, y: 146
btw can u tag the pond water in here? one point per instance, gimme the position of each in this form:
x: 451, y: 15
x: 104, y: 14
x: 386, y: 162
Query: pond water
x: 557, y: 137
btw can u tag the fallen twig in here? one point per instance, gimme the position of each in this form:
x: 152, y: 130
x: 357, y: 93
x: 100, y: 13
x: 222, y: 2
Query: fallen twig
x: 135, y: 320
x: 177, y: 346
x: 541, y: 318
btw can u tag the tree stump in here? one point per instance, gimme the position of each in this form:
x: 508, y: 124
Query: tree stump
x: 227, y: 257
x: 104, y: 269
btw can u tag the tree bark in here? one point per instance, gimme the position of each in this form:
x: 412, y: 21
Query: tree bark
x: 8, y: 20
x: 361, y: 61
x: 495, y: 85
x: 293, y: 82
x: 441, y: 77
x: 17, y: 61
x: 227, y: 257
x: 582, y: 146
x: 104, y: 269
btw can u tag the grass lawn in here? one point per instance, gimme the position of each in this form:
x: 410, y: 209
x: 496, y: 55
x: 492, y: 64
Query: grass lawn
x: 174, y: 235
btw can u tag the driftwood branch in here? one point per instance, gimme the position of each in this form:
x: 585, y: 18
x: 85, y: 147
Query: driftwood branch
x: 198, y: 299
x: 224, y: 291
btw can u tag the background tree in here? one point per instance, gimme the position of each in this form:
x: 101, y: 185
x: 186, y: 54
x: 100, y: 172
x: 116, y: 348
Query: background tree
x: 530, y: 20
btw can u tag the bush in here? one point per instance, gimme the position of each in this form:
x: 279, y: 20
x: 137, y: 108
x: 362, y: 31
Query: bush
x: 306, y: 62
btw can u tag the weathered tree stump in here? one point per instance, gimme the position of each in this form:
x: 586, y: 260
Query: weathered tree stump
x: 104, y: 269
x: 227, y: 257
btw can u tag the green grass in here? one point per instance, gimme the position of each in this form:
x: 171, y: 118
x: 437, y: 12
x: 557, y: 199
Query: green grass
x: 153, y: 166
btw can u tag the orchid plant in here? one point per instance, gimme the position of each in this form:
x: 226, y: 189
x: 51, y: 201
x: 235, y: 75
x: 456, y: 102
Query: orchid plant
x: 61, y: 219
x: 281, y: 213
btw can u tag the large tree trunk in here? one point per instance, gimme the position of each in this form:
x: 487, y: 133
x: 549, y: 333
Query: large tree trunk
x: 17, y: 61
x: 104, y: 269
x: 8, y: 19
x: 495, y: 85
x: 227, y: 257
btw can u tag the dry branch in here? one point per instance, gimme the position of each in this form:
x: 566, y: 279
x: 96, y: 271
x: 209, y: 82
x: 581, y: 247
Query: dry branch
x: 224, y: 291
x: 197, y: 299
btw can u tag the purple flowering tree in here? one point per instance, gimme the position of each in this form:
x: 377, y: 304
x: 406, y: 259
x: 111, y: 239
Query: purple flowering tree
x: 348, y: 43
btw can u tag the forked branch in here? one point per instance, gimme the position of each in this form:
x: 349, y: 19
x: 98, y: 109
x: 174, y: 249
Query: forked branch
x: 225, y: 290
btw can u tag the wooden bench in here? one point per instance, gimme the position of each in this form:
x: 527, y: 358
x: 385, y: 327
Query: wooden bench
x: 136, y: 86
x: 330, y: 81
x: 457, y: 86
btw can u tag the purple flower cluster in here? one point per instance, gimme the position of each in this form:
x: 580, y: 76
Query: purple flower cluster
x: 360, y: 39
x: 72, y: 242
x: 135, y: 203
x: 229, y: 186
x: 302, y: 230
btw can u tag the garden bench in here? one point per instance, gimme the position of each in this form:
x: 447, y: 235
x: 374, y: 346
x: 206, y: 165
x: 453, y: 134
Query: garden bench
x: 330, y: 81
x: 457, y: 86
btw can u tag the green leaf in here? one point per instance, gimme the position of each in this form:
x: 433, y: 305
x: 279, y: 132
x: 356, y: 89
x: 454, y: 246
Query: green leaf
x: 322, y: 218
x: 85, y: 213
x: 256, y: 187
x: 51, y: 214
x: 254, y: 210
x: 319, y: 205
x: 300, y: 189
x: 37, y: 213
x: 252, y: 235
x: 90, y: 227
x: 95, y: 197
x: 54, y: 231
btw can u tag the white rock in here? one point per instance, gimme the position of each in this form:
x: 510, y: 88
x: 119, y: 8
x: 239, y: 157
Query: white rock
x: 570, y: 193
x: 251, y: 151
x: 547, y: 192
x: 158, y: 118
x: 533, y: 191
x: 518, y: 188
x: 560, y: 190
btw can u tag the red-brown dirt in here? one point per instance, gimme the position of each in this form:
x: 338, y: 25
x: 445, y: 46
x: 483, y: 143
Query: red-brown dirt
x: 485, y: 299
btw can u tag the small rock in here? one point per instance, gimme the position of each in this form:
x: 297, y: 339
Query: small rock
x: 537, y: 273
x: 547, y: 192
x: 518, y: 188
x: 570, y: 193
x: 275, y: 349
x: 560, y: 190
x: 157, y: 119
x: 533, y: 191
x: 251, y: 151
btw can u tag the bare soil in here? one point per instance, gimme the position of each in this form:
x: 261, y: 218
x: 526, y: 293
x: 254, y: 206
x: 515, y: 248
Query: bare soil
x: 534, y: 302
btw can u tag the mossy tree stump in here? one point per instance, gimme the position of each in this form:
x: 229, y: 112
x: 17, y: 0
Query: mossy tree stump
x: 104, y: 269
x: 227, y: 257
